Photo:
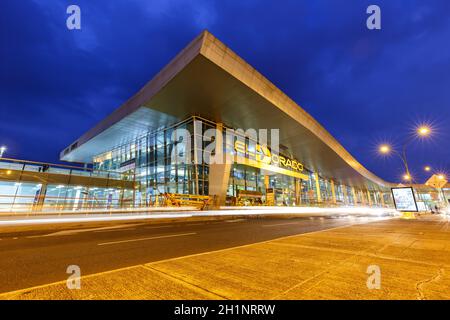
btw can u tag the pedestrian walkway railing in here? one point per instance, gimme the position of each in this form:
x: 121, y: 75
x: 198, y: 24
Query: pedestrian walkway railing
x: 41, y: 186
x: 44, y: 167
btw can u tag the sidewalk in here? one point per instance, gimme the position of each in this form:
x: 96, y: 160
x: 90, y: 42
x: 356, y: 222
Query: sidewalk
x: 413, y: 255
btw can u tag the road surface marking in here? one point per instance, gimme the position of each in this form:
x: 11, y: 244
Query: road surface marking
x: 279, y: 224
x: 151, y: 238
x: 159, y: 227
x: 75, y: 231
x: 235, y: 220
x: 114, y: 230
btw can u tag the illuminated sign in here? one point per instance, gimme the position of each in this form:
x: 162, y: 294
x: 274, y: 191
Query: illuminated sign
x: 260, y: 156
x: 404, y: 199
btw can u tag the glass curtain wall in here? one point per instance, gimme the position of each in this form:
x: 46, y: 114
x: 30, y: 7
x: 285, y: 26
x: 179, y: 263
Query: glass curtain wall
x: 149, y: 160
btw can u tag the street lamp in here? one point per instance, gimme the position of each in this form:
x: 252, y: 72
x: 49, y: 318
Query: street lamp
x: 427, y: 168
x: 385, y: 149
x: 422, y: 131
x: 2, y: 151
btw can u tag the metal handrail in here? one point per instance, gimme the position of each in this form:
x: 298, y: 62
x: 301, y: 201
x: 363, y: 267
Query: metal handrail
x: 71, y: 170
x: 43, y: 163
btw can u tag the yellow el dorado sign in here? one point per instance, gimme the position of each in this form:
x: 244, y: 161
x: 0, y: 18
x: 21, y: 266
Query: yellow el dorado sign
x: 263, y: 158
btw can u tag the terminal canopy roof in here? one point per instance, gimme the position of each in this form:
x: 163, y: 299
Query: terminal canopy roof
x: 207, y: 79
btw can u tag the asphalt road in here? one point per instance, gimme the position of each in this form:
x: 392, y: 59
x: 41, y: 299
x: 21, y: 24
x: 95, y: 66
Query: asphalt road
x: 31, y: 258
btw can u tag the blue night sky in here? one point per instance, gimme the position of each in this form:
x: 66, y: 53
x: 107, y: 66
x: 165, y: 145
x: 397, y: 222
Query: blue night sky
x: 364, y: 86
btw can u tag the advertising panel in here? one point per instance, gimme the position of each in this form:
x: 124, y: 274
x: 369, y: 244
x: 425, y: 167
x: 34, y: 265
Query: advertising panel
x: 404, y: 199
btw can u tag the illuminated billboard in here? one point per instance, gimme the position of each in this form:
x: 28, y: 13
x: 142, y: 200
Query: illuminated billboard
x: 404, y: 199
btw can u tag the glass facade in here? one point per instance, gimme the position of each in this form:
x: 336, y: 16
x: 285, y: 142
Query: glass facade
x: 18, y: 196
x: 150, y: 159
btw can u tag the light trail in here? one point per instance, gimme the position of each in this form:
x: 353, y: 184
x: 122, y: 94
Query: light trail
x: 342, y: 212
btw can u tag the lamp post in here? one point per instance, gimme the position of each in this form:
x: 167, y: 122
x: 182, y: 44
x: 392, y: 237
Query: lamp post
x: 422, y: 131
x: 386, y: 149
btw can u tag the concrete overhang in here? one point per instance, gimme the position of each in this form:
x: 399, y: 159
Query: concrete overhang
x: 207, y: 79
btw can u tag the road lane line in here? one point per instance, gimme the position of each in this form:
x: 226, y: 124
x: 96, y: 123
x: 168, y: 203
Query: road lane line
x: 235, y: 220
x: 71, y: 232
x: 151, y: 238
x: 279, y: 224
x: 158, y: 227
x: 115, y: 230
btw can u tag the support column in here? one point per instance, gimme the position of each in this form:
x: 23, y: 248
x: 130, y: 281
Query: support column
x: 198, y: 150
x: 266, y: 181
x: 219, y: 171
x: 381, y: 198
x: 375, y: 198
x: 355, y: 199
x: 219, y: 175
x: 298, y: 191
x: 270, y: 196
x: 363, y: 199
x: 319, y: 196
x: 333, y: 192
x: 368, y: 197
x: 344, y: 191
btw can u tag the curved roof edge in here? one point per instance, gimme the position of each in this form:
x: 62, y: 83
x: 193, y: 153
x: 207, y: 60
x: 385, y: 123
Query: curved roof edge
x: 213, y: 49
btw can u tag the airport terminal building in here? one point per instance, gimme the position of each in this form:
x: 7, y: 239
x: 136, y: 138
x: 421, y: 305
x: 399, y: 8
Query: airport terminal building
x: 207, y: 86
